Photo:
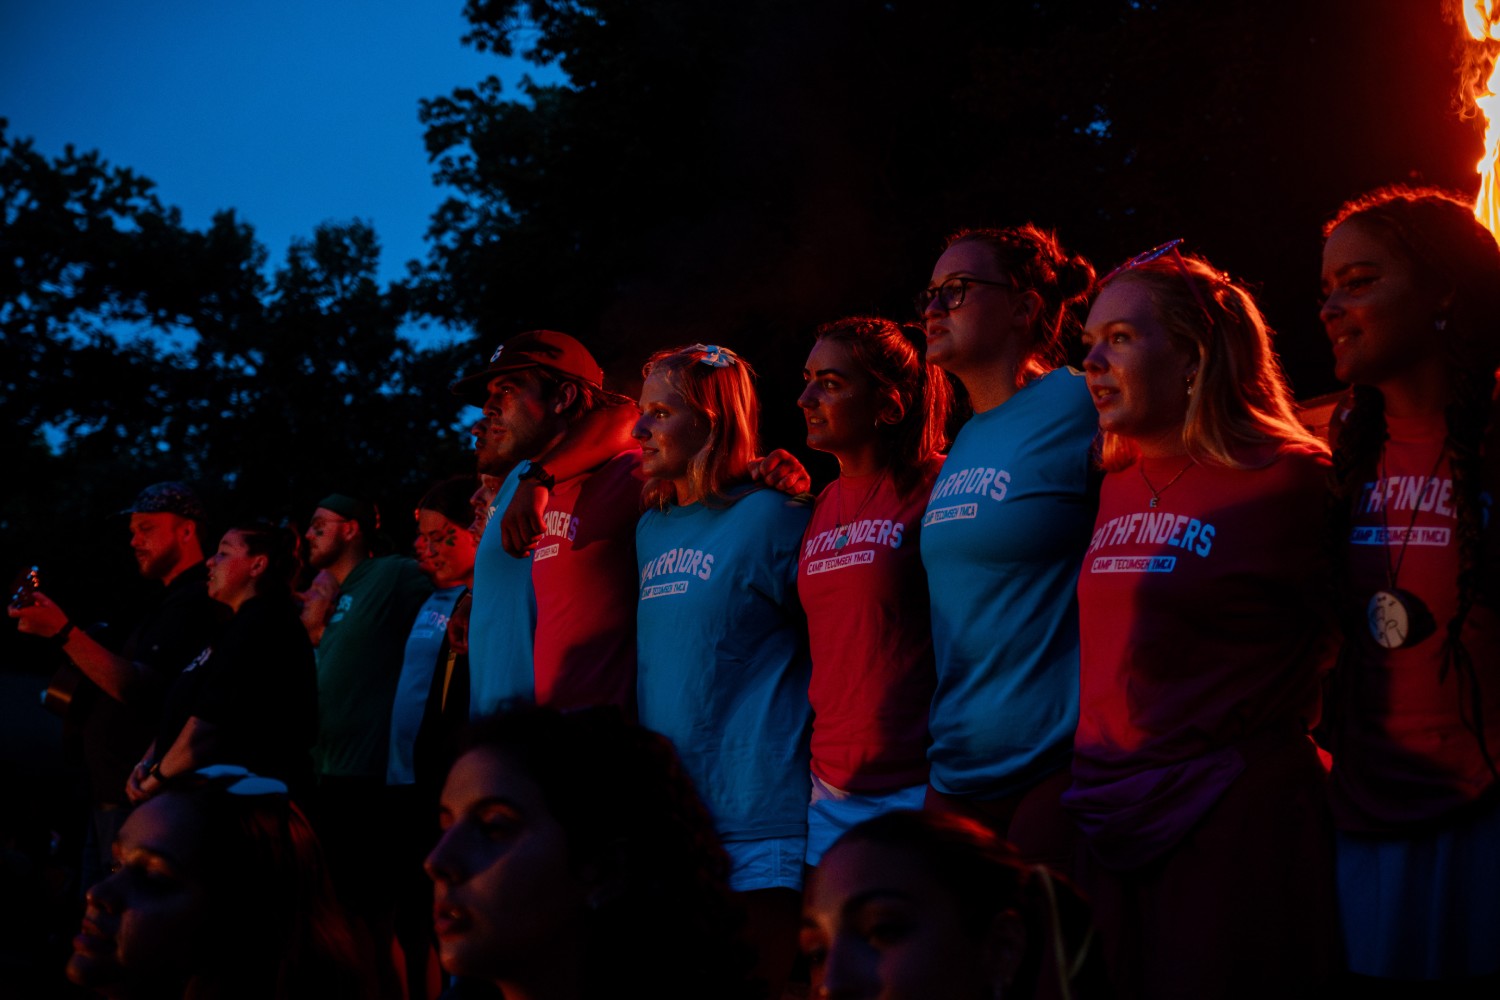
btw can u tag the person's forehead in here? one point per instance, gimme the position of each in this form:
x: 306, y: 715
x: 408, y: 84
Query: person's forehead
x: 154, y: 519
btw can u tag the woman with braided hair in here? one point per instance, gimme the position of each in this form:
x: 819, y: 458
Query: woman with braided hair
x: 1412, y: 301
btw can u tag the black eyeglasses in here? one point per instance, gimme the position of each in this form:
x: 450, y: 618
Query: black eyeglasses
x: 1169, y: 247
x: 951, y: 293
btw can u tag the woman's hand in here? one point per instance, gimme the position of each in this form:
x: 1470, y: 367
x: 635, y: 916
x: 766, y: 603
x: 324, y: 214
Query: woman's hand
x: 780, y: 470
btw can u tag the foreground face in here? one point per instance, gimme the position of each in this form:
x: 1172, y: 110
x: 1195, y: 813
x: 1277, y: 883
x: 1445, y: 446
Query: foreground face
x: 972, y: 336
x: 144, y: 923
x: 520, y: 423
x: 1378, y: 319
x: 839, y: 402
x: 670, y: 431
x: 231, y: 570
x: 505, y: 900
x: 156, y: 540
x: 1138, y: 377
x: 875, y: 925
x: 328, y: 536
x: 445, y: 551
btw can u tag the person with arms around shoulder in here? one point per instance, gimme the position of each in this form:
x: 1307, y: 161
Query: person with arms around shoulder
x: 873, y: 401
x: 1004, y: 532
x: 1206, y: 629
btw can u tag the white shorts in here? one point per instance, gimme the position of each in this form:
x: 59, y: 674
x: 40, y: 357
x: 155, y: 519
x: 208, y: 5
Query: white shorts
x: 832, y: 811
x: 774, y: 863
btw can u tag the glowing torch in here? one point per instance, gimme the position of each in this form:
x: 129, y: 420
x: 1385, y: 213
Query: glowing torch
x: 1482, y: 18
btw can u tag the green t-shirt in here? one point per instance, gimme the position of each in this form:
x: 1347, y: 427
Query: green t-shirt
x: 359, y: 661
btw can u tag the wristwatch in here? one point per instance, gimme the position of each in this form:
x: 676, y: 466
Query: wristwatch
x: 537, y: 471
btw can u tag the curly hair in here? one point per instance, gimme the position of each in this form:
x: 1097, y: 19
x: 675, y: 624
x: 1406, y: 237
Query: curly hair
x: 1035, y: 261
x: 1453, y: 255
x: 1240, y: 401
x: 723, y: 394
x: 627, y: 808
x: 895, y: 358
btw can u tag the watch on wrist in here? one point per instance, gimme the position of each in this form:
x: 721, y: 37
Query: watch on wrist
x: 538, y: 472
x: 60, y: 637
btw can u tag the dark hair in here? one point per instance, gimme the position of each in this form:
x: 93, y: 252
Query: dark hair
x: 450, y: 498
x: 587, y: 398
x: 895, y: 357
x: 986, y: 878
x: 1035, y: 261
x: 1451, y: 253
x: 280, y: 546
x: 627, y: 808
x: 278, y: 930
x: 1240, y: 401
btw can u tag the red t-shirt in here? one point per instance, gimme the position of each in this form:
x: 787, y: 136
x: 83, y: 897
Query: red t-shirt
x: 1205, y: 623
x: 1401, y: 752
x: 870, y: 634
x: 583, y: 572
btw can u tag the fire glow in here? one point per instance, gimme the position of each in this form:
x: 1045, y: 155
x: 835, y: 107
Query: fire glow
x: 1482, y: 19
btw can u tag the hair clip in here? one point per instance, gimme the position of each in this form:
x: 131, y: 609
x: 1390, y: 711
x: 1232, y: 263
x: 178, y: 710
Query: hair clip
x: 715, y: 356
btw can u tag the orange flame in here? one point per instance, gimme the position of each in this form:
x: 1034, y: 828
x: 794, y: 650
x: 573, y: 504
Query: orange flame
x: 1482, y: 18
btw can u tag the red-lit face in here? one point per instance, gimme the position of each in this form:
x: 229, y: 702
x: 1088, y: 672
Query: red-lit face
x: 840, y: 401
x: 445, y: 551
x: 329, y: 536
x: 232, y: 570
x: 1379, y: 320
x: 670, y: 432
x: 521, y: 422
x: 973, y: 336
x: 1138, y: 377
x: 157, y: 541
x: 505, y: 899
x: 146, y: 922
x: 876, y: 926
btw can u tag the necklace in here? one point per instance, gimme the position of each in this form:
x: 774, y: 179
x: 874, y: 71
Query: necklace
x: 1394, y: 616
x: 844, y: 526
x: 1156, y: 493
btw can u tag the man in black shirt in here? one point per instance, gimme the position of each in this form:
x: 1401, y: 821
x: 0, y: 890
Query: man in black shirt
x: 120, y: 697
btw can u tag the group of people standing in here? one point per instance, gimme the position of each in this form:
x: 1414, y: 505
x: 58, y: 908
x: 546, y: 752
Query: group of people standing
x: 1236, y: 682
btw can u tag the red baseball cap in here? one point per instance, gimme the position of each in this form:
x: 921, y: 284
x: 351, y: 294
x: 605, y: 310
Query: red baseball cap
x: 532, y: 349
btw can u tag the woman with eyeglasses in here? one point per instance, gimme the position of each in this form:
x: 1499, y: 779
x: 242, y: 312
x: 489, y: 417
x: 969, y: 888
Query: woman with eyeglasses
x: 219, y: 890
x: 1412, y: 286
x: 1206, y: 624
x: 872, y: 401
x: 721, y: 639
x: 251, y: 697
x: 1004, y: 529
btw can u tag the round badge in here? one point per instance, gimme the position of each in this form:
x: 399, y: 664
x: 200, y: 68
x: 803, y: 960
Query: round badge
x: 1389, y: 620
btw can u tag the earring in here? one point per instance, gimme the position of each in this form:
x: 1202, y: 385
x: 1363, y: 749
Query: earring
x: 1189, y: 381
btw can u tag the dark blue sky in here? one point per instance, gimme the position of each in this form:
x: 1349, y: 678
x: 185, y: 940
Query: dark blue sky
x: 292, y: 112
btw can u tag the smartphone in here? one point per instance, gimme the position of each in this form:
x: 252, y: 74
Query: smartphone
x: 26, y: 585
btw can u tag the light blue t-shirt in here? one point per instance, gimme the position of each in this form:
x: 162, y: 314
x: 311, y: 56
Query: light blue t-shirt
x: 502, y: 618
x: 423, y: 645
x: 1002, y: 540
x: 723, y: 664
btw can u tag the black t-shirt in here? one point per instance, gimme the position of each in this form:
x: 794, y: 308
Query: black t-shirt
x: 257, y: 683
x: 116, y: 734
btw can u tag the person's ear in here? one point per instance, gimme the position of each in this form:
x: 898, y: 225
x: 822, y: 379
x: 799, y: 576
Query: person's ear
x: 567, y: 392
x: 891, y: 408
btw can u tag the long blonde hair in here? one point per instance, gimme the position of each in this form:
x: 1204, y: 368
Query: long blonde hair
x: 718, y: 385
x: 1240, y: 402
